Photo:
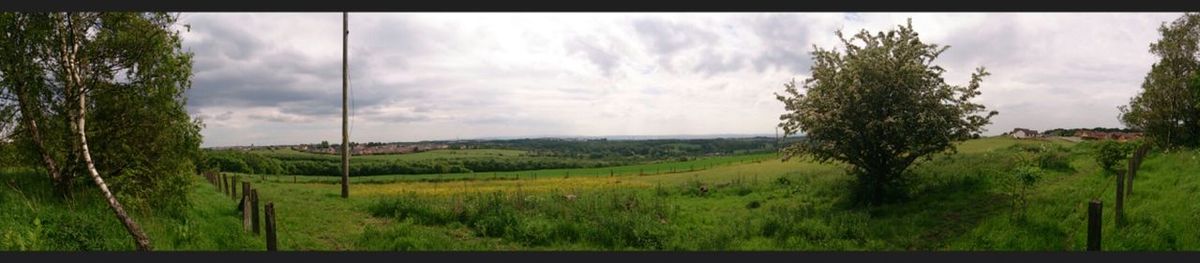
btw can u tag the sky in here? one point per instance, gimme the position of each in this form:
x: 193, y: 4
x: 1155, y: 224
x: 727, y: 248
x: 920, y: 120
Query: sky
x: 275, y: 78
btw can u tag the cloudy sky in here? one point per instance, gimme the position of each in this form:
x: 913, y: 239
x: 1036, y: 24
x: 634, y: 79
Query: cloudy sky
x: 275, y: 78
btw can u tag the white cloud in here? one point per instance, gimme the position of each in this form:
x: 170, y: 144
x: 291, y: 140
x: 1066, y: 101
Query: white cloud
x: 276, y: 78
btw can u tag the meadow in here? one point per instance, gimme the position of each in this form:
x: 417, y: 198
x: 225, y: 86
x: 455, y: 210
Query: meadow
x: 961, y: 201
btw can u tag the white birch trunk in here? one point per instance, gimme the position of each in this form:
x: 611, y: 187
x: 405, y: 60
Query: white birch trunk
x: 74, y: 82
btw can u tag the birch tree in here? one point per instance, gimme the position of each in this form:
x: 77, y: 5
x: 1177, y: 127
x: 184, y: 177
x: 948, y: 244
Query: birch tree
x: 126, y: 74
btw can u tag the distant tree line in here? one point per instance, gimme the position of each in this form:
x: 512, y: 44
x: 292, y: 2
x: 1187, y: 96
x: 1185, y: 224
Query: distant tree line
x: 1071, y: 132
x: 630, y: 150
x: 256, y: 163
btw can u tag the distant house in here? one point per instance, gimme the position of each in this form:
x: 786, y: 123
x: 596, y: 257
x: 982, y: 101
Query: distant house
x: 1022, y: 133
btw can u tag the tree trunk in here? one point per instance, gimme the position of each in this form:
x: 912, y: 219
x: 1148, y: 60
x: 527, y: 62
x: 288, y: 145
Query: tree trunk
x: 75, y: 83
x: 143, y: 242
x: 27, y: 114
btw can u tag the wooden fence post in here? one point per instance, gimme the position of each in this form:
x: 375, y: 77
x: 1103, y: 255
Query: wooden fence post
x: 225, y: 184
x: 246, y: 213
x: 269, y: 214
x: 233, y: 188
x: 254, y: 210
x: 1135, y: 163
x: 1093, y: 225
x: 245, y: 188
x: 1119, y: 213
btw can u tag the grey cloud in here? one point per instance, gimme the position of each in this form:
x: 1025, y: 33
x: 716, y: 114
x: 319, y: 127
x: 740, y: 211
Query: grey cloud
x: 665, y: 38
x: 447, y: 76
x: 713, y: 63
x: 401, y: 117
x: 224, y: 116
x: 605, y: 59
x: 223, y: 40
x: 787, y: 43
x: 276, y: 117
x: 996, y: 43
x: 236, y: 70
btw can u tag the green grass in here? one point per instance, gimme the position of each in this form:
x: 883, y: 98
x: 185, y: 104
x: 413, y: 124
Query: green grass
x: 955, y: 202
x: 33, y: 218
x: 638, y: 169
x: 420, y: 156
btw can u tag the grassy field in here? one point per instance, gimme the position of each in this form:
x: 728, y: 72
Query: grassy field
x: 33, y: 219
x: 420, y: 156
x: 957, y: 202
x: 639, y: 169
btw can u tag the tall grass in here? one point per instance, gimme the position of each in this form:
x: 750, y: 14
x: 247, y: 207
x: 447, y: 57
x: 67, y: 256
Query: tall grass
x: 33, y: 218
x: 612, y: 220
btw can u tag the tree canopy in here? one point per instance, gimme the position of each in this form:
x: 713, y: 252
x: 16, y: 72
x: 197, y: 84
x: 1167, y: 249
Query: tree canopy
x: 879, y: 105
x: 123, y: 73
x: 1168, y: 106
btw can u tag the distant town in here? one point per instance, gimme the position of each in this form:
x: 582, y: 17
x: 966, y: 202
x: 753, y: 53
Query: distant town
x: 1077, y: 134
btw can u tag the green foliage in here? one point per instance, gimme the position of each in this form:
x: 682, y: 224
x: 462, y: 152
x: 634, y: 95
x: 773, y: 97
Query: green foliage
x: 1110, y: 153
x: 34, y: 219
x: 880, y: 106
x: 1042, y: 156
x: 9, y: 154
x: 1071, y: 132
x: 430, y: 162
x: 962, y: 205
x: 1168, y: 106
x: 1019, y: 182
x: 617, y: 220
x: 135, y: 74
x: 630, y: 150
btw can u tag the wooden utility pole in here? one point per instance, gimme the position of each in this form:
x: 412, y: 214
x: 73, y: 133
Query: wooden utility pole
x: 777, y: 141
x: 345, y: 122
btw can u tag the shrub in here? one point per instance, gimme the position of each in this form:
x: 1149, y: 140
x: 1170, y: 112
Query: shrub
x: 1109, y: 154
x: 1019, y: 181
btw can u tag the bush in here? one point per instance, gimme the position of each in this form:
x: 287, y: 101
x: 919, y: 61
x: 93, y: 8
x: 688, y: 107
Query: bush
x: 1110, y: 153
x: 1058, y: 160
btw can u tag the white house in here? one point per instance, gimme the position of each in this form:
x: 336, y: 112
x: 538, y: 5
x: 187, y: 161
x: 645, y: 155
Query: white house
x: 1021, y: 133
